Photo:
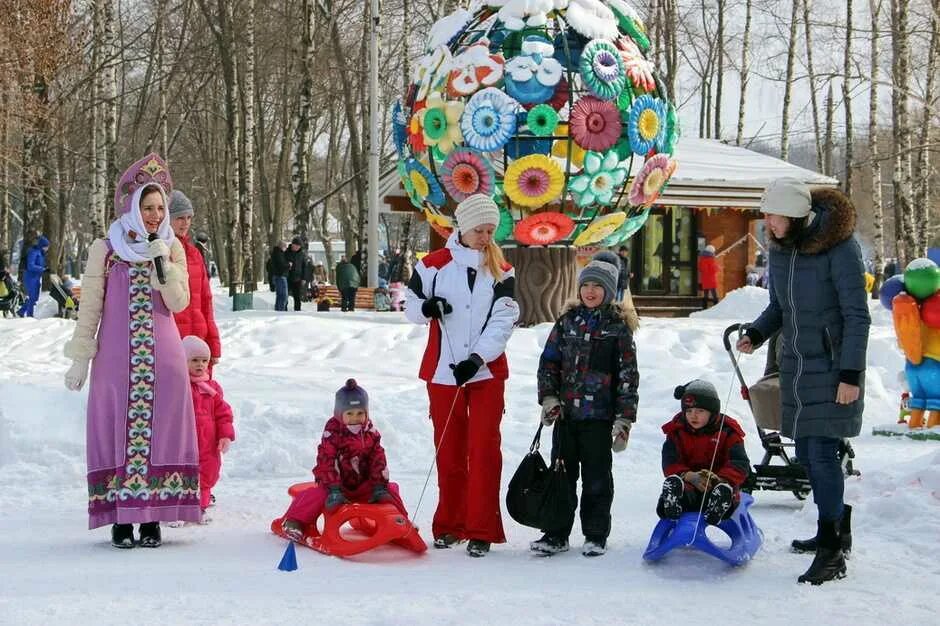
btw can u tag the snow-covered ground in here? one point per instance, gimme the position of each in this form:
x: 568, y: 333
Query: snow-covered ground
x: 279, y: 372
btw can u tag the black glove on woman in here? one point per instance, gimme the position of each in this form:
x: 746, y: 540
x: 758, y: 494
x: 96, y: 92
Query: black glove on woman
x: 436, y: 308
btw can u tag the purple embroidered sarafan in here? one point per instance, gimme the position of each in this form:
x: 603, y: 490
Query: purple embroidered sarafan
x: 149, y: 170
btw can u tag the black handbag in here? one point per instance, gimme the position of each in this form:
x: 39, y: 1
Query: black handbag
x: 540, y: 496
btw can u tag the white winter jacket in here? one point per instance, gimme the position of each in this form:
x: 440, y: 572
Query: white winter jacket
x: 483, y: 315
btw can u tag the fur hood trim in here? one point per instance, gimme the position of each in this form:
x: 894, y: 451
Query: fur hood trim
x: 833, y: 222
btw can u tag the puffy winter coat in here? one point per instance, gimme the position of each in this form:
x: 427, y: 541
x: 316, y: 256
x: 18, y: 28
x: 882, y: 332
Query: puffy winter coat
x: 708, y: 270
x: 278, y: 262
x: 818, y: 301
x: 349, y: 460
x: 687, y: 449
x: 484, y: 312
x: 347, y: 276
x: 198, y: 318
x: 35, y: 262
x: 297, y: 260
x: 589, y: 364
x: 214, y: 419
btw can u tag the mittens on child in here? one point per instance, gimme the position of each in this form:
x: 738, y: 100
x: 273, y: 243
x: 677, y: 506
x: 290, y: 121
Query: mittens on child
x: 620, y: 433
x: 334, y: 500
x: 551, y: 410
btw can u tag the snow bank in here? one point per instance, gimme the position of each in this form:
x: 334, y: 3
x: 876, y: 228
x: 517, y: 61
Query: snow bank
x: 743, y: 304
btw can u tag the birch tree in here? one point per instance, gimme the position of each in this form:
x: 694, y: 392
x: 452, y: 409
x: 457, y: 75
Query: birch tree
x: 811, y: 75
x: 874, y: 7
x: 788, y: 86
x: 905, y: 228
x: 847, y: 100
x: 744, y: 71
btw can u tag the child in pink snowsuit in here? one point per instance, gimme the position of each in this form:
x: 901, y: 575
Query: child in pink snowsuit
x: 351, y: 465
x: 214, y: 428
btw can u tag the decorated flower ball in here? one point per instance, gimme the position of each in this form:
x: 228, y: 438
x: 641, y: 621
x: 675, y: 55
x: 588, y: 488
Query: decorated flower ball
x: 921, y: 278
x: 550, y: 107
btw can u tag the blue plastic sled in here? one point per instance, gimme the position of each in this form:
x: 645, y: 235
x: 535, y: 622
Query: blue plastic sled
x: 688, y: 531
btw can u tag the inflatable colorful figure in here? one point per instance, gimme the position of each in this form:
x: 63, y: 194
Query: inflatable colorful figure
x: 914, y: 300
x: 550, y: 107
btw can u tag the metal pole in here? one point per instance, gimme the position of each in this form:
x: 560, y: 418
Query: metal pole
x: 372, y: 229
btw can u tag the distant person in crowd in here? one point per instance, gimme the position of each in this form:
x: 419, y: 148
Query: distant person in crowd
x: 623, y: 280
x: 396, y: 264
x: 819, y: 305
x: 142, y: 456
x: 751, y: 276
x: 296, y: 263
x: 307, y: 280
x: 320, y: 274
x: 32, y: 276
x: 199, y: 317
x: 356, y: 260
x: 279, y: 269
x: 347, y: 281
x: 708, y: 275
x: 891, y: 268
x: 383, y: 268
x: 381, y: 299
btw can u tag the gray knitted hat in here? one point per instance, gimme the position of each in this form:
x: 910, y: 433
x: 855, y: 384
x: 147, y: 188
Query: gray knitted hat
x: 351, y: 396
x: 180, y: 205
x: 699, y: 394
x: 604, y: 269
x: 787, y: 196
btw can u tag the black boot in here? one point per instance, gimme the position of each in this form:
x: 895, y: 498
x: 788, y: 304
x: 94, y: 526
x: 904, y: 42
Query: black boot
x: 670, y: 504
x: 150, y: 535
x: 845, y: 533
x: 829, y: 563
x: 122, y: 535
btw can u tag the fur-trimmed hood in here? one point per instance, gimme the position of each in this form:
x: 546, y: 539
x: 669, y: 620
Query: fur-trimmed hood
x: 833, y: 221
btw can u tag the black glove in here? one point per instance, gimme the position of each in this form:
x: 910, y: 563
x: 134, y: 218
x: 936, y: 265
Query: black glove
x: 380, y: 495
x: 436, y: 308
x: 335, y: 500
x: 465, y: 370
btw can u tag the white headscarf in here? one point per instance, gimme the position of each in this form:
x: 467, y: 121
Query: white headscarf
x: 137, y: 250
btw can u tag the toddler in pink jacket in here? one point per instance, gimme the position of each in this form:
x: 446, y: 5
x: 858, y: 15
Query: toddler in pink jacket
x: 214, y: 428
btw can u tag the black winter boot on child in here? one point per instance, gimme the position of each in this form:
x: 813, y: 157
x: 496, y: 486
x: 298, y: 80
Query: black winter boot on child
x: 719, y: 501
x: 549, y: 545
x: 594, y: 546
x: 845, y: 533
x: 670, y: 506
x: 122, y: 536
x: 829, y: 563
x: 150, y: 535
x: 477, y: 548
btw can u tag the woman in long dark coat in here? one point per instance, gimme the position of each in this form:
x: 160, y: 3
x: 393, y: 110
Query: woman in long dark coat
x: 818, y: 303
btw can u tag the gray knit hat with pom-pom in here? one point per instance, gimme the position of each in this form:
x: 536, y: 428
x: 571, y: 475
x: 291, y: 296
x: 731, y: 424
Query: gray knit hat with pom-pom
x: 604, y: 269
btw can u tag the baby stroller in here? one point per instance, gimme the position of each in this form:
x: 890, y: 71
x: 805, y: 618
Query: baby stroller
x: 68, y: 305
x: 12, y: 295
x: 763, y: 397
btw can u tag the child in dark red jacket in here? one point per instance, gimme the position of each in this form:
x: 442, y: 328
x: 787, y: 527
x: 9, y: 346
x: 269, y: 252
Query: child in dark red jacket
x: 214, y: 428
x: 689, y: 452
x: 351, y: 465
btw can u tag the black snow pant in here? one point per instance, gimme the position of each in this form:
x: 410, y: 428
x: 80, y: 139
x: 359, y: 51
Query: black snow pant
x: 348, y: 302
x: 584, y: 445
x: 296, y: 287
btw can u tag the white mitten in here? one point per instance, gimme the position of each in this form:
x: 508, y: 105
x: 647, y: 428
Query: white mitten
x: 620, y: 434
x: 551, y: 410
x: 157, y: 248
x: 77, y: 374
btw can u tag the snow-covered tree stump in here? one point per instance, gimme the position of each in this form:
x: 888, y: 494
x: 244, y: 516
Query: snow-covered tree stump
x: 546, y: 278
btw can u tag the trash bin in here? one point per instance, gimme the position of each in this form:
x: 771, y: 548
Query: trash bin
x: 243, y: 302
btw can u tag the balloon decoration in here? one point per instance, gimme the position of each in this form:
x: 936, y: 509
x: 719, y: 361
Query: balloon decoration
x: 548, y: 106
x: 914, y: 301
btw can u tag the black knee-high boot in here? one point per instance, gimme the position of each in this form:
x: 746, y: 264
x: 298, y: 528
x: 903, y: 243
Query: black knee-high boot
x: 829, y: 563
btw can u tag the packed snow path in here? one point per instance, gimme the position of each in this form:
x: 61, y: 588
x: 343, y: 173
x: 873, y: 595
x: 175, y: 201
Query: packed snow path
x: 280, y: 371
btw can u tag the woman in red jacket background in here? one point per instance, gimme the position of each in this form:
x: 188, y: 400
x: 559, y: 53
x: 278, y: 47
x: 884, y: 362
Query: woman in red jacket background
x: 196, y: 319
x: 708, y: 275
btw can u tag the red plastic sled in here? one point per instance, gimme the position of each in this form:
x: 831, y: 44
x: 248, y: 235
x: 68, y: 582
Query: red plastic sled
x: 380, y: 523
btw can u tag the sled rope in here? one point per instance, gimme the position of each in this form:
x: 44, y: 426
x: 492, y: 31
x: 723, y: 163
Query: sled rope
x: 711, y: 465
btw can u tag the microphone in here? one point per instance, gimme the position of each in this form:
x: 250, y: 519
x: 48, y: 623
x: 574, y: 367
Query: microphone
x: 158, y: 261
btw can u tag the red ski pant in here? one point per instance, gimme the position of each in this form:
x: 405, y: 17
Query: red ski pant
x: 210, y: 466
x: 308, y: 504
x: 469, y: 459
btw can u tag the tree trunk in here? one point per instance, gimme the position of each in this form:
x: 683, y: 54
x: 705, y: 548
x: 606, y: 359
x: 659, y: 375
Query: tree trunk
x: 720, y: 44
x: 922, y: 215
x: 830, y: 123
x: 745, y: 69
x: 875, y: 167
x: 811, y: 74
x: 300, y: 171
x: 847, y: 100
x: 905, y: 229
x: 5, y: 182
x: 788, y: 87
x: 546, y: 278
x: 246, y: 181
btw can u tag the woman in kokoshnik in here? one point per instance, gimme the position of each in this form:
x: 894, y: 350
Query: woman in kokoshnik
x: 143, y: 463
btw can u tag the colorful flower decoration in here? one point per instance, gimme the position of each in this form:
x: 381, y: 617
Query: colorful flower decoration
x: 592, y: 19
x: 647, y: 124
x: 560, y: 148
x: 489, y: 120
x: 466, y: 173
x: 441, y: 224
x: 440, y: 122
x: 672, y: 130
x: 531, y: 77
x: 505, y: 226
x: 542, y: 120
x: 426, y: 187
x: 399, y: 129
x: 575, y: 46
x: 415, y: 131
x: 629, y: 21
x: 602, y: 69
x: 474, y: 68
x: 638, y: 69
x: 651, y: 179
x: 595, y: 124
x: 602, y: 176
x: 600, y: 228
x: 525, y: 143
x: 543, y: 229
x: 626, y: 230
x: 533, y: 181
x: 432, y: 68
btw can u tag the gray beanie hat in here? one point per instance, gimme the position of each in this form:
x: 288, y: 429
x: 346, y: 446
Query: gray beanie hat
x: 351, y: 396
x: 476, y: 210
x: 788, y: 197
x: 699, y: 394
x: 604, y: 269
x: 180, y: 205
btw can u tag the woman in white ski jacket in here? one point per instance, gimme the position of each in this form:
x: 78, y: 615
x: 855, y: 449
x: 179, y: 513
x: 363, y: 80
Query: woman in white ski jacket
x: 465, y: 291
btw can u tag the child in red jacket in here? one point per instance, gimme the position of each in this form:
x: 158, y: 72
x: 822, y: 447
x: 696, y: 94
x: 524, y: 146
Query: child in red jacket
x: 351, y: 465
x: 708, y: 275
x: 214, y: 428
x: 689, y: 452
